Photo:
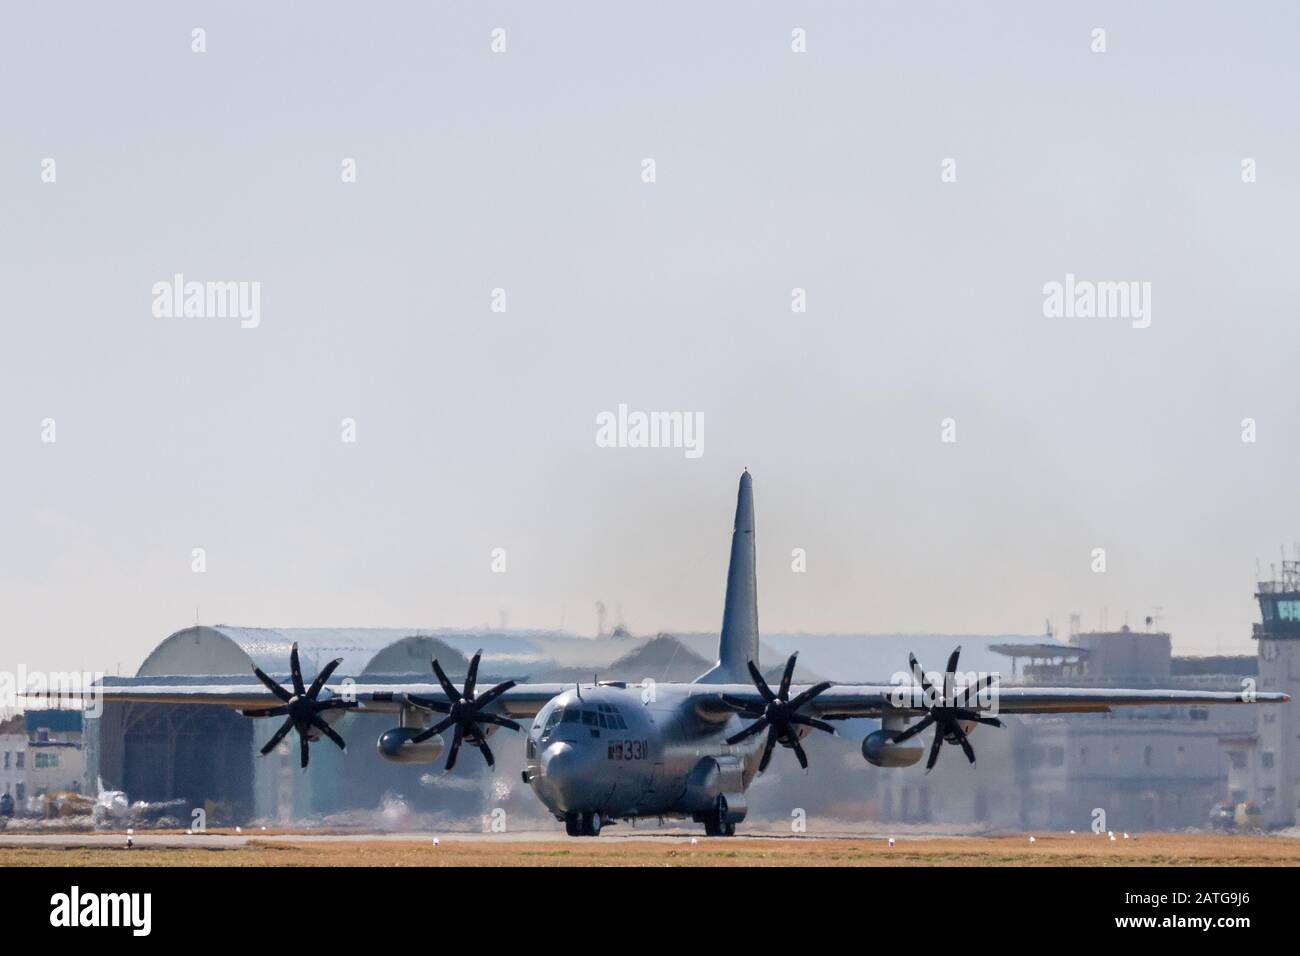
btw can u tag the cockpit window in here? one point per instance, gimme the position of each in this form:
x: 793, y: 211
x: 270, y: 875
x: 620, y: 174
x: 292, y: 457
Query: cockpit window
x: 551, y: 720
x: 572, y: 715
x: 611, y: 717
x: 589, y: 718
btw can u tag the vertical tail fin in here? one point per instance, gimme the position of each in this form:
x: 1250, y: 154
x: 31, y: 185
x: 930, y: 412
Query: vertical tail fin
x: 739, y: 640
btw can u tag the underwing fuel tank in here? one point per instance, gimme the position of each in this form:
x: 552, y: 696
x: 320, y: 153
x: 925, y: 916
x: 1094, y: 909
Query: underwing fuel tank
x: 395, y: 745
x: 880, y: 750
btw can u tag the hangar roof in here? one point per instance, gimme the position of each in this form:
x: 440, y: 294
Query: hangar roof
x: 227, y: 649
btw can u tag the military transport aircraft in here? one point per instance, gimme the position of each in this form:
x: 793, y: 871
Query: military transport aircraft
x: 608, y: 751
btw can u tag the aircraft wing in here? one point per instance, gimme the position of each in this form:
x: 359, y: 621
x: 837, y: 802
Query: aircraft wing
x: 235, y: 691
x: 873, y: 700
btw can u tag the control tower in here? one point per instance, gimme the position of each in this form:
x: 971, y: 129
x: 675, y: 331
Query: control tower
x: 1277, y: 756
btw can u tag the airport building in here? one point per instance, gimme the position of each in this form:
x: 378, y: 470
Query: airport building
x: 1144, y: 768
x: 1265, y: 761
x: 1141, y: 768
x: 40, y: 753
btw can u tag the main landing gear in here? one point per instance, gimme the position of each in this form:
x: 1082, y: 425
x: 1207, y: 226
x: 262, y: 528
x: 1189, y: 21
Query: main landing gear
x: 715, y: 821
x: 583, y: 824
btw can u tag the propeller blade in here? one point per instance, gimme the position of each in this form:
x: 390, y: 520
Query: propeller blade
x: 749, y: 731
x: 295, y: 671
x: 814, y: 722
x: 761, y: 684
x: 934, y: 749
x: 948, y: 679
x: 435, y: 729
x: 809, y: 694
x: 277, y: 736
x: 454, y: 752
x: 320, y: 724
x: 798, y: 750
x: 917, y: 674
x: 784, y: 692
x: 488, y: 696
x: 972, y: 691
x: 486, y: 751
x: 974, y: 715
x: 272, y: 685
x: 303, y: 749
x: 767, y: 750
x: 448, y: 687
x: 471, y: 676
x: 266, y: 712
x: 915, y: 729
x: 499, y: 721
x: 741, y: 706
x: 429, y: 703
x: 961, y: 739
x: 322, y: 677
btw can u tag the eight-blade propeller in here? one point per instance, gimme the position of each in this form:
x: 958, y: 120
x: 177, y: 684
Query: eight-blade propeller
x: 301, y: 708
x: 779, y: 714
x: 464, y: 711
x: 944, y: 712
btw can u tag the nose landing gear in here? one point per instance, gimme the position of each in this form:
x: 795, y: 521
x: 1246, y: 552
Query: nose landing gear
x: 583, y: 824
x: 716, y: 822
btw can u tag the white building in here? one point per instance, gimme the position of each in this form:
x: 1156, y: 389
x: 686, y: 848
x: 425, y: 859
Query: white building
x: 13, y: 758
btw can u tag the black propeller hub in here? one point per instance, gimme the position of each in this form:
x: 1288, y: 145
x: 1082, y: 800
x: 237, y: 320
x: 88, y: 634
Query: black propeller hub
x: 465, y: 712
x: 943, y: 708
x: 778, y: 714
x: 301, y: 707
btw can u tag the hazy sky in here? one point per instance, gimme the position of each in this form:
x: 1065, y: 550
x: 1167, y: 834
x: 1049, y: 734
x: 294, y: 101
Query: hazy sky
x: 522, y: 170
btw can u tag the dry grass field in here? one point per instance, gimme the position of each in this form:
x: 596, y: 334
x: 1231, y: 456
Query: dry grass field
x: 1049, y: 849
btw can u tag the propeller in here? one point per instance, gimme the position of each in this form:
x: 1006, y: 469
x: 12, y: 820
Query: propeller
x: 944, y: 712
x: 301, y: 709
x: 464, y: 712
x: 779, y: 713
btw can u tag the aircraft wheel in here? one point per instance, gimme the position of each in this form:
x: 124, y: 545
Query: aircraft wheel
x: 573, y: 824
x: 591, y: 823
x: 715, y: 824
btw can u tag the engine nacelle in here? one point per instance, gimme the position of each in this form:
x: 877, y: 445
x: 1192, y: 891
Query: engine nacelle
x: 395, y: 745
x: 880, y: 750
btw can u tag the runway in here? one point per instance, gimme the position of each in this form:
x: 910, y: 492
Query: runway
x: 641, y: 848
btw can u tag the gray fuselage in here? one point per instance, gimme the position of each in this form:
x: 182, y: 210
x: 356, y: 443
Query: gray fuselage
x: 627, y: 752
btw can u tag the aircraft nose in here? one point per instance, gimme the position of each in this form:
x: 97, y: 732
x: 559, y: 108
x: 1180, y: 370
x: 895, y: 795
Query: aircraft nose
x: 561, y: 782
